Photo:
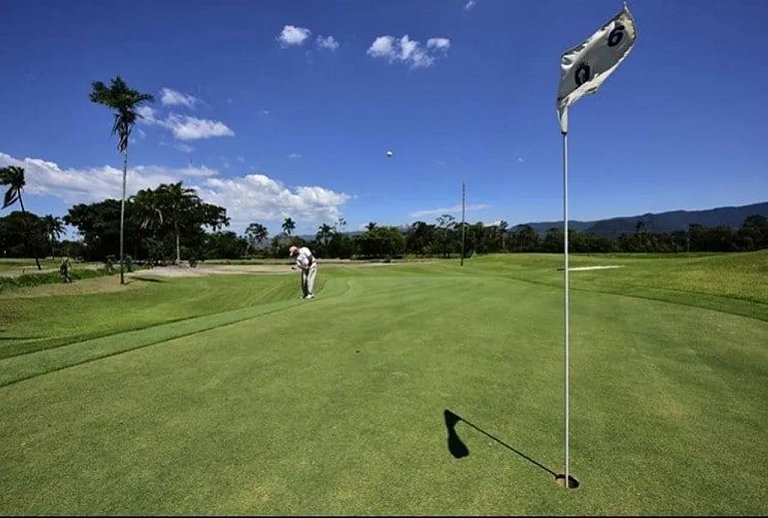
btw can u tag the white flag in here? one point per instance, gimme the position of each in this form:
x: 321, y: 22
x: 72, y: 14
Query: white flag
x: 587, y: 65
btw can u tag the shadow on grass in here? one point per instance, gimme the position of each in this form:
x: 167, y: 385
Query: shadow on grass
x: 146, y: 279
x: 459, y: 450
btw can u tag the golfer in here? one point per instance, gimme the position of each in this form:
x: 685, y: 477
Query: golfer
x: 305, y: 261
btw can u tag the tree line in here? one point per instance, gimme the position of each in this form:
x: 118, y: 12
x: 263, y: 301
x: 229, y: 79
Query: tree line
x: 171, y: 223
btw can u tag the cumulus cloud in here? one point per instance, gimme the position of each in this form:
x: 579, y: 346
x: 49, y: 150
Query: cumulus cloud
x: 96, y: 183
x: 247, y: 198
x: 327, y: 43
x: 408, y: 51
x: 292, y: 35
x: 185, y: 127
x: 439, y: 43
x: 171, y: 97
x: 259, y: 197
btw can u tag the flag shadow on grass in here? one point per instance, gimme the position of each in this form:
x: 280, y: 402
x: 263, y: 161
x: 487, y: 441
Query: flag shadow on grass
x: 459, y: 450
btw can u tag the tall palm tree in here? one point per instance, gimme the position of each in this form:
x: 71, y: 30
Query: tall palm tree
x: 167, y: 206
x: 370, y: 226
x: 54, y: 228
x: 503, y: 229
x: 256, y: 233
x: 124, y: 101
x: 324, y: 233
x: 13, y: 177
x: 289, y: 226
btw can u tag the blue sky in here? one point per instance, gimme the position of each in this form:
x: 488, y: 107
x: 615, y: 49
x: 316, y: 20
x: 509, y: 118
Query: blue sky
x: 287, y: 108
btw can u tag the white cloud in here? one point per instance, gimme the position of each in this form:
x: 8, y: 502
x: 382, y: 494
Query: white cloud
x: 292, y: 35
x: 327, y: 43
x: 295, y: 155
x: 450, y: 210
x: 146, y: 114
x: 241, y: 159
x: 252, y: 197
x: 184, y: 148
x: 173, y: 98
x: 185, y: 127
x: 520, y: 160
x: 406, y: 50
x: 265, y: 112
x: 141, y: 133
x: 257, y: 197
x: 439, y: 43
x: 98, y: 183
x: 470, y: 5
x: 383, y: 46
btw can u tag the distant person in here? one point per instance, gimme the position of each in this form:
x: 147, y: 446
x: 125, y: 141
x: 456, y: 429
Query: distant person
x: 64, y: 271
x: 306, y: 262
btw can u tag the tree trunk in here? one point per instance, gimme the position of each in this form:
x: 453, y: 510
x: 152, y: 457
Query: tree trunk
x: 34, y: 250
x: 178, y: 247
x: 122, y: 217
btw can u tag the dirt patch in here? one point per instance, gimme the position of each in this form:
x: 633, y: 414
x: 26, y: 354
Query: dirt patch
x: 200, y: 271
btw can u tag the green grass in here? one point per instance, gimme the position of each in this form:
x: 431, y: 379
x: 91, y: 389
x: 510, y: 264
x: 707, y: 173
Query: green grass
x: 26, y: 280
x: 26, y: 265
x: 229, y: 395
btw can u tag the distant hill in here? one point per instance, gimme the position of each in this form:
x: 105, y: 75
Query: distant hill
x: 661, y: 222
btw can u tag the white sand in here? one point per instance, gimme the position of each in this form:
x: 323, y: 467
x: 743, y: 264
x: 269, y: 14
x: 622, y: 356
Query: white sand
x: 581, y: 268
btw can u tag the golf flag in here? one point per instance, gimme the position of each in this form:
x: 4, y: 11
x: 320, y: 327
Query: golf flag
x: 587, y: 65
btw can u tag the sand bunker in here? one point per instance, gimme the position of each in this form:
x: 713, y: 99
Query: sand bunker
x: 582, y: 268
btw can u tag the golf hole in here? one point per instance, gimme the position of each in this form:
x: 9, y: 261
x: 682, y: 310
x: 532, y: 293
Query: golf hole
x: 572, y: 482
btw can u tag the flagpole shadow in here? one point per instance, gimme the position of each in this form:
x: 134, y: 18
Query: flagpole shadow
x: 459, y: 450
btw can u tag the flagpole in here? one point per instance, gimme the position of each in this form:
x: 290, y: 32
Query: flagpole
x: 463, y: 229
x: 566, y: 308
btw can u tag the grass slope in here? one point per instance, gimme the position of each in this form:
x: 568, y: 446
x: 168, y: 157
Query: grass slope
x: 255, y: 402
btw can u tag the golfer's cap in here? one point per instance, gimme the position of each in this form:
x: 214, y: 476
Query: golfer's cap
x: 292, y: 250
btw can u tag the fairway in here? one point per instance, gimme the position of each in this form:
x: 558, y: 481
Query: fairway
x: 228, y: 394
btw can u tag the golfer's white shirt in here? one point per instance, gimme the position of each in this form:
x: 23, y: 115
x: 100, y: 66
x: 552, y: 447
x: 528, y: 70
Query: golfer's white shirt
x: 305, y: 258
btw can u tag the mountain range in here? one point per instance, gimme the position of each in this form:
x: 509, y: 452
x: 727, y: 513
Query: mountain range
x: 661, y: 222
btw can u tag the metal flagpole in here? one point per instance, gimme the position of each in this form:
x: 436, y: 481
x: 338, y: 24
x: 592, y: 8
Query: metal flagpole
x: 566, y: 308
x: 463, y: 226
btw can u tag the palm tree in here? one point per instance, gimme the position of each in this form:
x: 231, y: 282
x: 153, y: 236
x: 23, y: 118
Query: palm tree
x: 256, y: 233
x: 503, y: 229
x: 13, y: 177
x: 124, y: 101
x: 324, y: 233
x: 54, y: 228
x: 289, y: 226
x: 168, y: 205
x: 370, y: 226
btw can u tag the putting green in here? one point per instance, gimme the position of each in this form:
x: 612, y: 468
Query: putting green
x: 240, y: 398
